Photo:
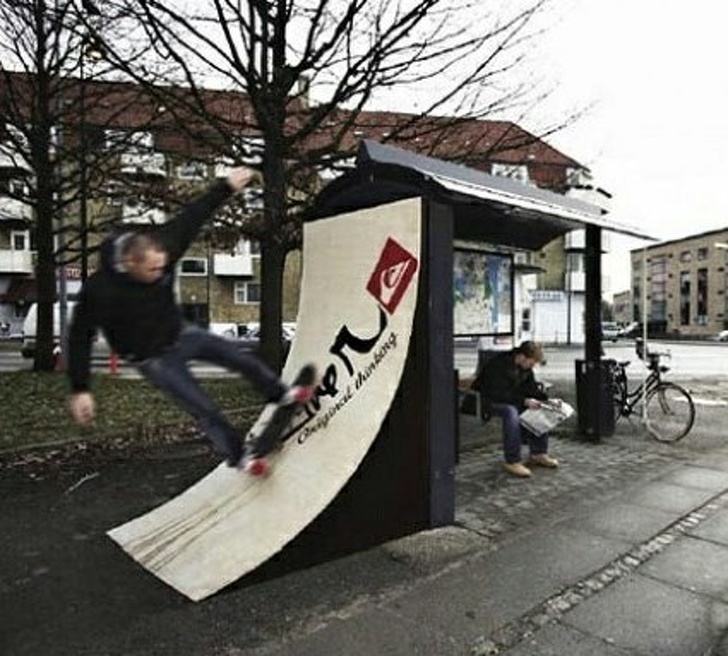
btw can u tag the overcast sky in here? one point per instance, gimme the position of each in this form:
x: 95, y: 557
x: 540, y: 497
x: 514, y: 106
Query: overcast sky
x: 658, y: 136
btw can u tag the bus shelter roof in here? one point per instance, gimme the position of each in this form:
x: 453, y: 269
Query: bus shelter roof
x: 486, y: 207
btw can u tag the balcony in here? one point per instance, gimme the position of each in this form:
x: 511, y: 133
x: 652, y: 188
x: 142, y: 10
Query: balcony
x: 575, y: 281
x: 142, y: 214
x: 144, y: 164
x: 232, y: 265
x: 13, y: 161
x: 576, y: 240
x: 20, y: 262
x: 14, y: 210
x: 12, y: 157
x: 582, y: 189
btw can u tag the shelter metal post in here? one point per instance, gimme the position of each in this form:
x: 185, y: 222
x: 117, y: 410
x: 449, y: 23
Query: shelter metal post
x: 594, y: 402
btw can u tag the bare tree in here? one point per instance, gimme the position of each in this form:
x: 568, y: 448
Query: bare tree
x: 307, y: 69
x: 49, y: 102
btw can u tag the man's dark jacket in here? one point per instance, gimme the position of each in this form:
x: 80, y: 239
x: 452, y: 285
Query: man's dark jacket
x: 501, y: 380
x: 137, y: 319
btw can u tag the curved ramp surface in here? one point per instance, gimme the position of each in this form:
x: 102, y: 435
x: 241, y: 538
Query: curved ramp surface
x: 358, y: 297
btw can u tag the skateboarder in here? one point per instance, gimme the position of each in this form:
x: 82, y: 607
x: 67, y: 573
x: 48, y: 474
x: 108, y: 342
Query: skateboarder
x: 130, y: 298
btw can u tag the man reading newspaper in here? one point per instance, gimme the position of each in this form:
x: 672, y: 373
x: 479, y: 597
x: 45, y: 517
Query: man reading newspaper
x: 508, y: 389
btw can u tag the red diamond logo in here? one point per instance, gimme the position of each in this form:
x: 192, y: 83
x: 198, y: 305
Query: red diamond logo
x: 392, y: 275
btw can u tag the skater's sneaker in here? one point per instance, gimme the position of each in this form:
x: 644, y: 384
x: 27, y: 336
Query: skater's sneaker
x: 297, y: 394
x: 254, y: 465
x: 257, y: 467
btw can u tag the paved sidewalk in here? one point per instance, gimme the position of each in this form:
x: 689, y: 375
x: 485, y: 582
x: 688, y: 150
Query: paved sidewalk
x: 622, y: 550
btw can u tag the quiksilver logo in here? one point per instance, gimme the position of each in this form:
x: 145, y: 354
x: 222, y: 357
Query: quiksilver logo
x: 392, y: 275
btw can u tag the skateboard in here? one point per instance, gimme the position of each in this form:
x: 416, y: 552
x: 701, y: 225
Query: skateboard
x: 270, y: 438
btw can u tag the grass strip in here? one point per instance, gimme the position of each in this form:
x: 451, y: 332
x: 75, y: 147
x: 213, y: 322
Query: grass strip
x: 35, y: 410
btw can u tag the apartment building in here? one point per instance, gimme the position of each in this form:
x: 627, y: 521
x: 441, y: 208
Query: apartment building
x: 683, y: 283
x: 17, y: 263
x: 148, y: 159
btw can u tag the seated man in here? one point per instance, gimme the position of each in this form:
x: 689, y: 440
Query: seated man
x: 507, y: 387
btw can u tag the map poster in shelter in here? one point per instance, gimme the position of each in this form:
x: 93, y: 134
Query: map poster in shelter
x: 483, y: 293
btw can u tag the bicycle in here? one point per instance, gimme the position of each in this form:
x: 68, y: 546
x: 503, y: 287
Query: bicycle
x: 669, y: 410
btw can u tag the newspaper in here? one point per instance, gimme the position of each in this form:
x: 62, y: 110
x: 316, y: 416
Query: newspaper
x: 547, y: 417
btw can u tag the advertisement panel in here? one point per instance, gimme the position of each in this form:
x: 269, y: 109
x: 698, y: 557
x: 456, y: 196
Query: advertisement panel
x: 483, y: 293
x: 358, y: 298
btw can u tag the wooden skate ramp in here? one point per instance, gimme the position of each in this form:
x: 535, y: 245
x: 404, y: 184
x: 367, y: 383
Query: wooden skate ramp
x: 358, y: 298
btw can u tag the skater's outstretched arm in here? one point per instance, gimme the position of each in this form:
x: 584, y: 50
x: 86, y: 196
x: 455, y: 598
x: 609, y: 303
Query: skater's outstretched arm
x: 180, y: 232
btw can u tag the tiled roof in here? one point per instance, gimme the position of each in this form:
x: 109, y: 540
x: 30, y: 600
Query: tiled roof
x: 474, y: 142
x: 470, y: 141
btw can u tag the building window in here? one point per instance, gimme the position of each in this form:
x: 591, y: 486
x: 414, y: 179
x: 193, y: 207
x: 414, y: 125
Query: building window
x: 129, y: 140
x: 686, y: 256
x: 247, y: 247
x: 515, y: 171
x: 249, y: 149
x: 14, y: 187
x: 703, y: 253
x: 193, y: 266
x: 685, y: 298
x: 192, y: 171
x: 702, y: 301
x: 526, y: 320
x: 253, y: 199
x: 19, y: 241
x: 575, y: 262
x: 658, y: 268
x: 247, y: 293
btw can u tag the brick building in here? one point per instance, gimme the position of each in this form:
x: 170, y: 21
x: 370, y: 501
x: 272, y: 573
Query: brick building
x: 141, y: 163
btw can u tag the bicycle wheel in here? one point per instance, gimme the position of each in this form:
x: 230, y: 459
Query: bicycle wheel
x: 670, y: 412
x: 617, y: 388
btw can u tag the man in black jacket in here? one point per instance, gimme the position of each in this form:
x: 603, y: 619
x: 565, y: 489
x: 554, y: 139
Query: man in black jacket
x: 131, y: 300
x: 508, y: 387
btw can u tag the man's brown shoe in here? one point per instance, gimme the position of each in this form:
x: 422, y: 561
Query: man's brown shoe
x: 543, y: 460
x: 517, y: 469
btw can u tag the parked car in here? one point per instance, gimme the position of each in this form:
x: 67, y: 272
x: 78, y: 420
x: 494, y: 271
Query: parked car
x: 722, y: 336
x: 27, y: 349
x: 610, y: 331
x: 30, y: 324
x: 250, y: 338
x: 632, y: 329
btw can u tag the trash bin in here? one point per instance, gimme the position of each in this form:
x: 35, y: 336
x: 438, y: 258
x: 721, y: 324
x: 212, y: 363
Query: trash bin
x: 594, y: 401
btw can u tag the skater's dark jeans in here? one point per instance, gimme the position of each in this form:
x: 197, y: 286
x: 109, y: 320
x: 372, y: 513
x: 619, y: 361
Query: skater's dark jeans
x: 170, y: 372
x: 514, y: 434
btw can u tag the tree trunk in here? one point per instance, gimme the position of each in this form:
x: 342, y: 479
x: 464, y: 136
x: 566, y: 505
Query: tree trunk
x: 273, y: 250
x: 46, y: 280
x: 273, y: 258
x: 45, y: 268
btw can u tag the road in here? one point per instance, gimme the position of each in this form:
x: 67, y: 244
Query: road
x: 11, y: 360
x: 687, y: 360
